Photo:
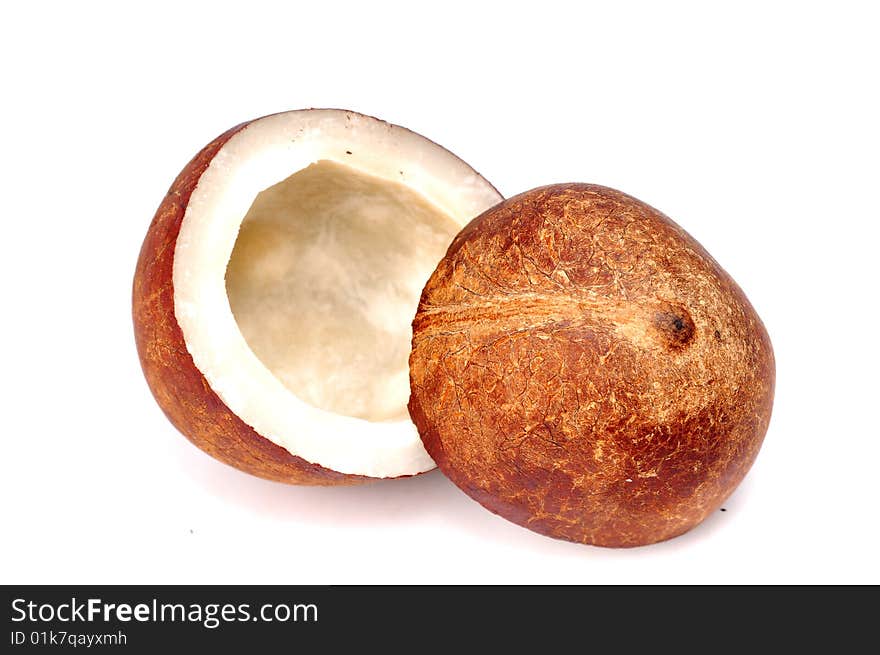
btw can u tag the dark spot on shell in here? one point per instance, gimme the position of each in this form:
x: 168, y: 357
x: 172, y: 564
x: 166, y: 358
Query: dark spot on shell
x: 718, y: 335
x: 675, y: 325
x: 348, y: 152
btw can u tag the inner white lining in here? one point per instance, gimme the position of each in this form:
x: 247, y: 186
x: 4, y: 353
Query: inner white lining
x: 261, y: 155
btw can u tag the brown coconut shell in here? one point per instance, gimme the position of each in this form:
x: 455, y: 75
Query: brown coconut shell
x: 178, y: 386
x: 582, y: 367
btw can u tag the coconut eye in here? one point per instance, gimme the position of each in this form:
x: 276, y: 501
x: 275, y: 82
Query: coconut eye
x: 675, y: 326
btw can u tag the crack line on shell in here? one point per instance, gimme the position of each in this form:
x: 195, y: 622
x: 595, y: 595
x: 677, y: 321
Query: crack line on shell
x: 529, y: 310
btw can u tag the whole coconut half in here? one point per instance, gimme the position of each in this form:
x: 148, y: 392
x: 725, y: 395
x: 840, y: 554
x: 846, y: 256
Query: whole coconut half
x: 276, y: 285
x: 582, y: 367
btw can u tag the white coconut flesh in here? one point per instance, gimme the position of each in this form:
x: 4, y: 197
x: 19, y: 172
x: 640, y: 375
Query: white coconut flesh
x: 297, y: 272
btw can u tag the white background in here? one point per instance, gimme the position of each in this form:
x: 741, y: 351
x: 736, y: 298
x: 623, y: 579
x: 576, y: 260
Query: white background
x: 755, y: 128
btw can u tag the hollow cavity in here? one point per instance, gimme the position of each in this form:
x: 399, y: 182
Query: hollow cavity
x: 324, y: 281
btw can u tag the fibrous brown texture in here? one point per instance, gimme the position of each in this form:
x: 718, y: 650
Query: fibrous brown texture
x: 582, y: 367
x: 180, y: 389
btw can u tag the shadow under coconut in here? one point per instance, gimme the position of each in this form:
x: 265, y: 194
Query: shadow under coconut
x: 380, y: 502
x: 398, y: 502
x: 401, y: 501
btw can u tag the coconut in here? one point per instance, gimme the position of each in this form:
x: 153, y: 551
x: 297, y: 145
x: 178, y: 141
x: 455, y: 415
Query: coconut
x: 582, y: 367
x: 275, y: 290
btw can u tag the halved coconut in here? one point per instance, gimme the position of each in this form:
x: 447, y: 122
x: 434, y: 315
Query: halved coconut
x: 276, y: 287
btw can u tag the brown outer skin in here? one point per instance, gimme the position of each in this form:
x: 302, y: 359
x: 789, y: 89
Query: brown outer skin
x: 582, y: 367
x: 178, y: 386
